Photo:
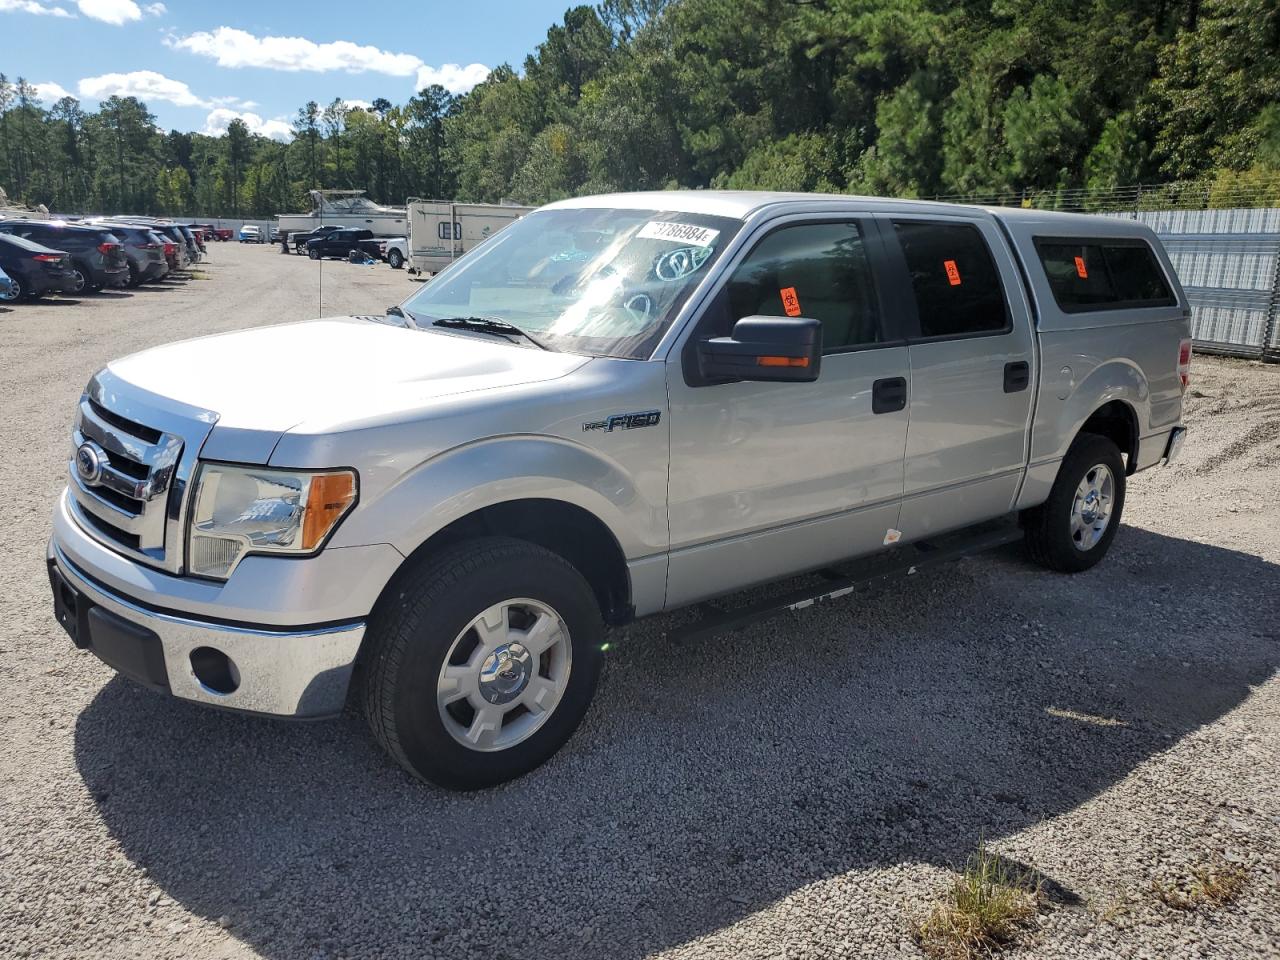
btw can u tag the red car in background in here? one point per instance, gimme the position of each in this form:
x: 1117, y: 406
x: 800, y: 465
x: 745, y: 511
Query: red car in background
x: 214, y: 233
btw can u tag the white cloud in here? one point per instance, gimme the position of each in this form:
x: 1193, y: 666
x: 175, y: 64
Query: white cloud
x: 453, y: 77
x: 218, y: 121
x: 114, y: 12
x: 31, y: 6
x: 51, y: 92
x: 238, y: 48
x: 155, y: 9
x: 230, y: 47
x: 143, y: 84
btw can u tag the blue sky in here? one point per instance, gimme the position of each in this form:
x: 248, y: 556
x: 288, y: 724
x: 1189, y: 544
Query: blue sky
x: 199, y: 64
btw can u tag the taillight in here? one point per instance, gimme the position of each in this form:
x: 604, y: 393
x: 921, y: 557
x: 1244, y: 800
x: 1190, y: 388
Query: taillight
x: 47, y: 257
x: 108, y: 248
x: 1184, y: 364
x: 170, y: 249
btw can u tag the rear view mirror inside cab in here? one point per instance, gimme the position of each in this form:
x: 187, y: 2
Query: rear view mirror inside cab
x: 782, y: 349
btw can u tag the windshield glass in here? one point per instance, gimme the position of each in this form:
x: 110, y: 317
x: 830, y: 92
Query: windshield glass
x: 599, y: 281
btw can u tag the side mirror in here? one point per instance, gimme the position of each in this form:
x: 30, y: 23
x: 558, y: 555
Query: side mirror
x: 775, y: 349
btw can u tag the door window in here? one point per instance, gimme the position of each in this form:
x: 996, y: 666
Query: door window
x: 814, y: 270
x: 956, y: 283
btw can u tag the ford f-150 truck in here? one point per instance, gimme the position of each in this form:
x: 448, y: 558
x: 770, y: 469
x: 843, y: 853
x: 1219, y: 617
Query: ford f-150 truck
x: 618, y: 406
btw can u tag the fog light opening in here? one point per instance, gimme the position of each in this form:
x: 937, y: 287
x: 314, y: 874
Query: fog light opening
x: 216, y: 671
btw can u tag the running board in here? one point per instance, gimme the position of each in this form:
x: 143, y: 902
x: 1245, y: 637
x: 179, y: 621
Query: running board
x: 897, y: 562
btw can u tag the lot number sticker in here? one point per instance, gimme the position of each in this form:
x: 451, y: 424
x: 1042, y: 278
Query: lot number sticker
x: 953, y: 272
x: 678, y: 233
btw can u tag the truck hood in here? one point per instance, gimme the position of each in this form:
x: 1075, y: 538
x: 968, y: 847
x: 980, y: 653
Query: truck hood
x: 330, y: 374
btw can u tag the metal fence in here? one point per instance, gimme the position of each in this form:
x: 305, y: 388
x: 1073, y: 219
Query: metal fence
x: 1229, y: 264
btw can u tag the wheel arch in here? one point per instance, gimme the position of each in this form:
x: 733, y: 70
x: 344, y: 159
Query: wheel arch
x: 566, y: 529
x: 1118, y: 422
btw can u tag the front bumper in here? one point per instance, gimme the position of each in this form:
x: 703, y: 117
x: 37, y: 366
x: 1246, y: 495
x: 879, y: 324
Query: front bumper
x: 291, y: 628
x: 301, y: 674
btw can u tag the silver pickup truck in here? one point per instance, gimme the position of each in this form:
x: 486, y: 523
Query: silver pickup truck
x: 620, y: 405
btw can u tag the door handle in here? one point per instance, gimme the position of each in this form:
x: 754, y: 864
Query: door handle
x: 889, y: 395
x: 1017, y: 376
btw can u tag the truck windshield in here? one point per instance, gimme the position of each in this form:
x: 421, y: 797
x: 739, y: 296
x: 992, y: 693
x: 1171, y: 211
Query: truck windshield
x: 604, y: 282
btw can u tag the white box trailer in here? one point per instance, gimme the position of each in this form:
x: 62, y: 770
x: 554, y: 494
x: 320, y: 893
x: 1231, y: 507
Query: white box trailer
x: 440, y: 231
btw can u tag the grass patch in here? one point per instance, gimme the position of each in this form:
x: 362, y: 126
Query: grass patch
x: 990, y: 906
x: 1210, y: 885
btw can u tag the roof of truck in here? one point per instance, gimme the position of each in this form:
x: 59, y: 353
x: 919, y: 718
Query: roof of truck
x: 742, y: 203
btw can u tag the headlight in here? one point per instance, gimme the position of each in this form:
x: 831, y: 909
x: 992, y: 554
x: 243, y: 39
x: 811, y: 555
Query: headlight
x: 241, y: 510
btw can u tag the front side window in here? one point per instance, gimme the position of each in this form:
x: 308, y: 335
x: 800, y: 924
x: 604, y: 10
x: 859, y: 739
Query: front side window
x: 1103, y: 274
x: 814, y: 270
x: 605, y: 282
x: 956, y: 283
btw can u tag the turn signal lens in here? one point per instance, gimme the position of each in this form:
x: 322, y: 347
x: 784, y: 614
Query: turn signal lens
x: 328, y: 497
x: 782, y: 361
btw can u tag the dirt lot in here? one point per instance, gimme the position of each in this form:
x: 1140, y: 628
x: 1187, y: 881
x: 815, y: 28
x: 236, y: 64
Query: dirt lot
x: 800, y: 789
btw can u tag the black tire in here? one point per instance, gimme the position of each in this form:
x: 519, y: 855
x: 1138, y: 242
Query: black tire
x: 15, y: 292
x: 1048, y: 527
x: 395, y: 259
x: 313, y: 253
x: 80, y: 281
x: 414, y: 628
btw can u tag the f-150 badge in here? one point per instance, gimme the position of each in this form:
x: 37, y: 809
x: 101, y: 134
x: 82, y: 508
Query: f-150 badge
x: 625, y: 421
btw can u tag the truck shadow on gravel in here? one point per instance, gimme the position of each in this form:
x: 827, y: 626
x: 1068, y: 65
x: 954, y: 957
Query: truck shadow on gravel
x: 707, y: 782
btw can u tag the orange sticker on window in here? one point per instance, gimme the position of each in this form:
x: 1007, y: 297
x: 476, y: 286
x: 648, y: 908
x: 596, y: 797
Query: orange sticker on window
x: 953, y: 272
x: 790, y: 302
x: 1081, y: 272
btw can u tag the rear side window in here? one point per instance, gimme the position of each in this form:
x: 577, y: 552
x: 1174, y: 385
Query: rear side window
x: 814, y: 270
x: 1103, y: 274
x: 957, y: 287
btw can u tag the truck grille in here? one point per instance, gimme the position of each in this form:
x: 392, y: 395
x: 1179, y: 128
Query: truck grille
x: 129, y: 470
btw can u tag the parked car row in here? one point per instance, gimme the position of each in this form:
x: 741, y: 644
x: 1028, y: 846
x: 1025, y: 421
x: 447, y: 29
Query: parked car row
x: 40, y: 257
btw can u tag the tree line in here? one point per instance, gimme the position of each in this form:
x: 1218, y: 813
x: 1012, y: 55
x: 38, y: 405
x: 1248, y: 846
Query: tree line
x: 893, y: 97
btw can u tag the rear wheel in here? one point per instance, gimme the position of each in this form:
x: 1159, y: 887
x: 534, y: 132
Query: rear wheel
x: 482, y: 662
x: 1073, y: 529
x: 78, y: 280
x: 396, y: 259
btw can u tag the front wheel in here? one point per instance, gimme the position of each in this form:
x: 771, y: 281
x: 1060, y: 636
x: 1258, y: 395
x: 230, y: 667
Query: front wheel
x: 313, y: 253
x: 481, y: 662
x: 1073, y: 529
x: 395, y: 259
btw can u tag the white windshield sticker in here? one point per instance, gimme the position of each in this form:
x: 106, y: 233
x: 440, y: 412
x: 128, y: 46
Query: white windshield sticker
x: 678, y: 233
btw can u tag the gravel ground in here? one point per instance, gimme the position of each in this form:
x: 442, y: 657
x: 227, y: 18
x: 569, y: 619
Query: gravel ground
x: 799, y: 789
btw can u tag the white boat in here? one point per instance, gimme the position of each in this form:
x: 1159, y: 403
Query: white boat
x: 345, y: 208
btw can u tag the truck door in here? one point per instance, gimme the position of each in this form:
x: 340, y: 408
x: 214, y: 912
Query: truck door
x: 774, y: 478
x: 972, y: 362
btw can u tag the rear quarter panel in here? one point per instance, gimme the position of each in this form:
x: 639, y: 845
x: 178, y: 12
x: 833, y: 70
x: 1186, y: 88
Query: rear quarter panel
x: 1091, y: 358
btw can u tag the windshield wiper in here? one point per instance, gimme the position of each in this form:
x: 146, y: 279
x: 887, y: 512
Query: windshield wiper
x: 490, y: 325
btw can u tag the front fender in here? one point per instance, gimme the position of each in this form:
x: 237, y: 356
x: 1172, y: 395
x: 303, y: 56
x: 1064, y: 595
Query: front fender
x: 468, y: 478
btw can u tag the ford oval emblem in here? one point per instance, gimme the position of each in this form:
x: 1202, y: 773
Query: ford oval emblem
x: 89, y: 463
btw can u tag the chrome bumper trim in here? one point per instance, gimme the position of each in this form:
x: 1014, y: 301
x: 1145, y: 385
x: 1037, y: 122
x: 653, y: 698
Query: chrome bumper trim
x: 301, y: 674
x: 1176, y: 439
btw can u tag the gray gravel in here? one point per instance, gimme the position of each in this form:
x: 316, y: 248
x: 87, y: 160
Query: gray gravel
x: 799, y: 789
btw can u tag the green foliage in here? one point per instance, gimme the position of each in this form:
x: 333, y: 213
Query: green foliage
x: 897, y: 97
